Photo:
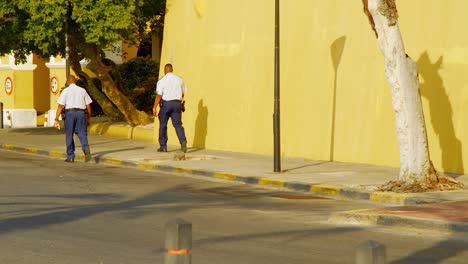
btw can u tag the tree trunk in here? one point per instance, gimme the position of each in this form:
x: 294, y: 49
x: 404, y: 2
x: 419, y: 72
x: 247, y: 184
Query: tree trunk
x: 417, y: 174
x: 107, y: 107
x: 402, y: 75
x: 110, y: 88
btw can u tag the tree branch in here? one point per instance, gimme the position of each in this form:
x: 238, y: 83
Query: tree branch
x: 4, y: 20
x: 369, y: 16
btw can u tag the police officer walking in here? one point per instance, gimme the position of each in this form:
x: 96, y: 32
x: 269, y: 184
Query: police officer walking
x: 75, y: 101
x: 170, y: 91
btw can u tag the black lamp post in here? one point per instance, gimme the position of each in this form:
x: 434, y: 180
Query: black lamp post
x: 276, y: 115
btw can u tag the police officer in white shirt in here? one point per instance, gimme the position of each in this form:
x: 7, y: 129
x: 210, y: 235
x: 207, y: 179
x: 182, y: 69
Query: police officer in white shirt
x: 170, y: 92
x: 75, y: 101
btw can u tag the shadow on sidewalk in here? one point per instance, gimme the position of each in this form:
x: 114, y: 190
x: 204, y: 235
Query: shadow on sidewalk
x: 37, y: 131
x: 305, y: 166
x: 99, y: 155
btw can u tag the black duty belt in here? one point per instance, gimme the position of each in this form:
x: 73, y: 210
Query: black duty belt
x: 164, y: 101
x: 75, y: 110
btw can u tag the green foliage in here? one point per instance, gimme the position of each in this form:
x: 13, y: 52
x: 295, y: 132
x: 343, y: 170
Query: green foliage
x: 39, y: 26
x: 139, y: 77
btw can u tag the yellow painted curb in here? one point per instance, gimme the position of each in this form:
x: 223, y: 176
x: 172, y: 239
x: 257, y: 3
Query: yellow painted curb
x: 56, y: 154
x: 9, y: 146
x: 225, y: 176
x: 388, y: 197
x: 325, y: 189
x: 143, y: 134
x: 80, y: 156
x: 113, y: 161
x: 32, y: 150
x: 183, y: 170
x: 146, y: 165
x: 271, y: 182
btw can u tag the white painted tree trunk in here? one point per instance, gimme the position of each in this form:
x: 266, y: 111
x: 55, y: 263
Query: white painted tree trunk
x: 402, y: 75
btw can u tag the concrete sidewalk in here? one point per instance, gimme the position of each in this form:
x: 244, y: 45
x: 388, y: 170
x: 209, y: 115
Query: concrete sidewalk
x: 331, y: 179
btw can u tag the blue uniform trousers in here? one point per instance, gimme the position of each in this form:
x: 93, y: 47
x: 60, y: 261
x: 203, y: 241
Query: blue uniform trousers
x: 75, y: 123
x: 170, y: 109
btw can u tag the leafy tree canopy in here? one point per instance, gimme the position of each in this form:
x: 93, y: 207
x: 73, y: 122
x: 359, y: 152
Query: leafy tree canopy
x: 39, y: 26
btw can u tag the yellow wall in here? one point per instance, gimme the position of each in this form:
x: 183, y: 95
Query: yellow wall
x: 60, y: 73
x: 30, y: 84
x: 23, y: 89
x: 7, y: 100
x: 224, y: 51
x: 128, y: 51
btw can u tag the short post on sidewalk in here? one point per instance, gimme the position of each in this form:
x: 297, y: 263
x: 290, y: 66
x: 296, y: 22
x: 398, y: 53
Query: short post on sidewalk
x: 370, y: 252
x: 178, y: 242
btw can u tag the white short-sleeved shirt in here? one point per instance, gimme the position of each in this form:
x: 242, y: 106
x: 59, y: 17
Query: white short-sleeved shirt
x: 171, y: 87
x: 74, y: 97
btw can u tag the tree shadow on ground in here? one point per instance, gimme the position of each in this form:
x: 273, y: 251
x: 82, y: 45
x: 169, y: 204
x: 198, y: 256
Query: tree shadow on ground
x: 436, y: 254
x: 176, y: 200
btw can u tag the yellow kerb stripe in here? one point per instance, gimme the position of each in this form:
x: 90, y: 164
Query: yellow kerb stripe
x: 271, y: 182
x: 8, y: 146
x: 113, y: 161
x: 325, y: 189
x: 56, y: 154
x: 146, y: 165
x: 387, y: 197
x: 32, y: 150
x: 225, y: 176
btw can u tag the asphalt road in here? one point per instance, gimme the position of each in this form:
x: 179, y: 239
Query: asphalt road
x: 54, y: 212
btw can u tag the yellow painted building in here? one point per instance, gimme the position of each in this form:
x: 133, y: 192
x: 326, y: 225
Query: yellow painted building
x: 24, y: 86
x: 36, y: 84
x: 335, y: 101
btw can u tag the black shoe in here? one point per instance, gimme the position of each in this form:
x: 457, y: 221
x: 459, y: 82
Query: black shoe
x: 87, y: 153
x: 70, y: 160
x: 184, y: 147
x: 162, y: 150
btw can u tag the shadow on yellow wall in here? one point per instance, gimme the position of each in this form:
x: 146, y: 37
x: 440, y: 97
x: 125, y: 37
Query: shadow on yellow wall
x: 441, y: 113
x: 201, y: 126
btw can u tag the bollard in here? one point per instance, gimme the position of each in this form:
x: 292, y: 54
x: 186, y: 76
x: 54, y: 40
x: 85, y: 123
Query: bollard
x: 370, y: 252
x: 9, y: 122
x: 178, y: 242
x: 1, y: 115
x: 46, y: 120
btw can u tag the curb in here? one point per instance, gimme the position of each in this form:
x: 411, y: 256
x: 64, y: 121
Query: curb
x: 360, y: 217
x: 321, y: 190
x: 122, y: 131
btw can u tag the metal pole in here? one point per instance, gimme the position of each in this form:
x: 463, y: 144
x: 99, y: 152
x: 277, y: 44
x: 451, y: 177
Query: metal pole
x: 67, y: 44
x: 67, y: 55
x: 1, y: 115
x: 276, y: 115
